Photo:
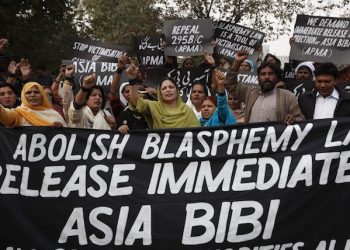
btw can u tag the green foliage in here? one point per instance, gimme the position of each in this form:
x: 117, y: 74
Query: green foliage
x: 274, y: 17
x: 119, y: 20
x: 267, y: 16
x: 39, y: 30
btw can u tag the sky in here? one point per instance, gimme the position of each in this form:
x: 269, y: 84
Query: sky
x: 281, y: 47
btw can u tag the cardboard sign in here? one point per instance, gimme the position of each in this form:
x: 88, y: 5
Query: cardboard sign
x: 188, y: 37
x: 231, y: 38
x: 321, y: 39
x: 90, y: 50
x: 149, y: 50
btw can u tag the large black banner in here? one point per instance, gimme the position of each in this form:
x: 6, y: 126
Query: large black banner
x: 258, y: 186
x: 90, y: 50
x: 149, y: 50
x: 231, y: 38
x: 321, y: 39
x: 189, y: 37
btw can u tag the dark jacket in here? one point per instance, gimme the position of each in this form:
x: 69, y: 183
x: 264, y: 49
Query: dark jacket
x: 307, y: 103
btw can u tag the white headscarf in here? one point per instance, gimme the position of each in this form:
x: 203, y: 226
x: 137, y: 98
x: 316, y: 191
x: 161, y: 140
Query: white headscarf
x: 121, y: 96
x: 310, y: 65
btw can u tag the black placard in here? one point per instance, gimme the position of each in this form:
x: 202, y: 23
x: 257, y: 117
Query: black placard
x: 255, y: 186
x: 299, y: 87
x: 231, y: 38
x: 183, y: 78
x: 149, y: 50
x: 345, y: 86
x: 288, y: 72
x: 90, y: 50
x: 188, y: 37
x: 248, y: 78
x: 321, y: 39
x: 104, y: 72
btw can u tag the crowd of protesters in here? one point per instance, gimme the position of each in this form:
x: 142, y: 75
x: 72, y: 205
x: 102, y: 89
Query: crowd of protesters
x: 49, y: 101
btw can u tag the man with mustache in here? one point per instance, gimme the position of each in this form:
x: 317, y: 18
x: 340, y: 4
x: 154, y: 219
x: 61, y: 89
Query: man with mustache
x: 327, y: 100
x: 264, y: 103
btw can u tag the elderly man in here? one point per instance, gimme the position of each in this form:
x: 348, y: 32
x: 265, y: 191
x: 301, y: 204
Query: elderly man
x: 264, y: 103
x: 326, y: 100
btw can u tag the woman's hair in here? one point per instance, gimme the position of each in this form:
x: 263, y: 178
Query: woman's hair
x: 102, y: 94
x: 205, y: 89
x: 210, y: 98
x: 165, y: 79
x: 5, y: 84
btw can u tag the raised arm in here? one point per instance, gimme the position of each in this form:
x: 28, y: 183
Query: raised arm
x: 221, y: 97
x: 26, y: 70
x: 220, y: 80
x: 88, y: 83
x: 114, y: 90
x: 8, y: 116
x: 132, y: 75
x: 67, y: 89
x: 239, y: 58
x: 58, y: 79
x: 11, y: 69
x: 231, y: 76
x: 209, y: 60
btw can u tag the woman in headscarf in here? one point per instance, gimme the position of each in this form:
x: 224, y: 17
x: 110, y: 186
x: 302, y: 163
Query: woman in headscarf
x: 236, y: 106
x: 246, y: 66
x: 216, y: 112
x: 124, y: 93
x: 169, y: 111
x: 87, y: 109
x: 36, y: 110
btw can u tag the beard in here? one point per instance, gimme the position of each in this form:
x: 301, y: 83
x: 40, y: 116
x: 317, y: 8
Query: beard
x: 267, y: 85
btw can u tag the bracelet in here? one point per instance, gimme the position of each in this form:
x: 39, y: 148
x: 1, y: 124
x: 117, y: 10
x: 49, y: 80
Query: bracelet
x: 84, y: 89
x: 119, y: 70
x: 132, y: 81
x: 12, y: 74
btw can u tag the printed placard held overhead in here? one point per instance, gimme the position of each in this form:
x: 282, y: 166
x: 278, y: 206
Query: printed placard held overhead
x: 321, y: 39
x: 231, y: 38
x: 91, y: 50
x: 188, y: 37
x: 149, y: 50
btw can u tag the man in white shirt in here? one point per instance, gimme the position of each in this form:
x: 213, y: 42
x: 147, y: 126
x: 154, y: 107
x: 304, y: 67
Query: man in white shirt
x: 326, y: 100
